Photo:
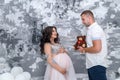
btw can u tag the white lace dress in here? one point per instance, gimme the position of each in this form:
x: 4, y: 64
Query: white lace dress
x: 64, y: 61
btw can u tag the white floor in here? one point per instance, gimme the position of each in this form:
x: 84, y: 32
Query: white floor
x: 110, y: 76
x: 78, y: 76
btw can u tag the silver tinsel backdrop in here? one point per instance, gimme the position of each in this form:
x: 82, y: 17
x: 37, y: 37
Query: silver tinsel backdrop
x: 21, y: 22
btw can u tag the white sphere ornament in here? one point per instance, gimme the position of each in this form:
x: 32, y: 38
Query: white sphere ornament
x: 117, y: 79
x: 27, y: 75
x: 2, y: 60
x: 119, y: 70
x: 6, y: 76
x: 0, y: 76
x: 16, y: 71
x: 20, y: 77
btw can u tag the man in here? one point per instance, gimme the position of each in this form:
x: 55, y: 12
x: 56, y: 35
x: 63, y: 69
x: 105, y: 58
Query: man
x: 96, y: 50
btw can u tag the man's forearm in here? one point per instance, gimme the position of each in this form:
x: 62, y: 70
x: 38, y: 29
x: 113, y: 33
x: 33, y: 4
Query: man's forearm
x: 91, y: 50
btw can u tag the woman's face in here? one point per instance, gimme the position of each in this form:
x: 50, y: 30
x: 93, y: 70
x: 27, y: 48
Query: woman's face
x: 54, y: 33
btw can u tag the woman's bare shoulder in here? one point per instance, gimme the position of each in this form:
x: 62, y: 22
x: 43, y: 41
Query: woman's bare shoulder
x: 47, y: 44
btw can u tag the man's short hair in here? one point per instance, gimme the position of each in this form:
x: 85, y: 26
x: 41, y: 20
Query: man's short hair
x: 87, y: 12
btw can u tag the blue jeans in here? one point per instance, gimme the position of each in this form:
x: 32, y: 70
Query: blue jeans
x: 97, y: 73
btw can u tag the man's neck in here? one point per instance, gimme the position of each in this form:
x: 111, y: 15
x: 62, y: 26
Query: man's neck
x: 91, y: 23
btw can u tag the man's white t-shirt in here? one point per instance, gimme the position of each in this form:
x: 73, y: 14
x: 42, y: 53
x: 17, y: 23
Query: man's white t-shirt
x: 95, y: 32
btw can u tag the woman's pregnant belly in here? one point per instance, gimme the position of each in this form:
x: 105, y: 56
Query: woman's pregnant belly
x: 62, y: 60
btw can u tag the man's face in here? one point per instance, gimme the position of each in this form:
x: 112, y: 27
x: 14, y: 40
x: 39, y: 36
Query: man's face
x: 85, y: 20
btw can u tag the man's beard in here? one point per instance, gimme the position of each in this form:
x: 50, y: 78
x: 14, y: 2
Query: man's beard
x: 87, y: 25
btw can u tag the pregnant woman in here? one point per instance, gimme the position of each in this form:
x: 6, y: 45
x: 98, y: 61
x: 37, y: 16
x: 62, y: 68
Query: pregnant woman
x: 59, y: 65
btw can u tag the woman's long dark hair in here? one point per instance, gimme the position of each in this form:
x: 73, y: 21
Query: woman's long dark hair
x: 46, y: 35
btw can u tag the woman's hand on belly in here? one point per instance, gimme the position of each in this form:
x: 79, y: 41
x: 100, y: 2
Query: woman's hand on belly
x: 54, y: 55
x: 61, y: 50
x: 63, y: 71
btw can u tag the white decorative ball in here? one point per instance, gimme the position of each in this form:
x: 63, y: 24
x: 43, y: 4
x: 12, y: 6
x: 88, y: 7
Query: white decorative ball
x: 20, y: 77
x: 119, y: 70
x: 16, y: 71
x: 0, y: 76
x: 2, y: 60
x: 6, y: 76
x: 117, y: 79
x: 27, y: 75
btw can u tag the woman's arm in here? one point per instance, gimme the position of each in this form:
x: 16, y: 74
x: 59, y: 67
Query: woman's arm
x: 47, y: 50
